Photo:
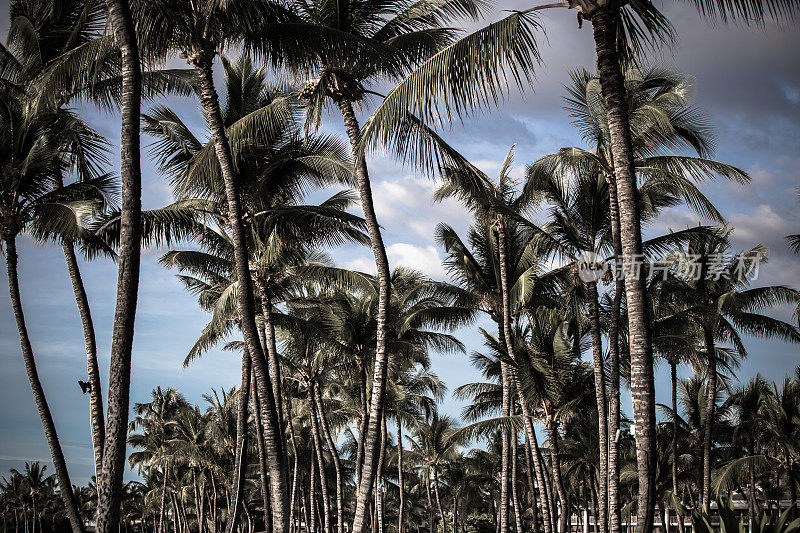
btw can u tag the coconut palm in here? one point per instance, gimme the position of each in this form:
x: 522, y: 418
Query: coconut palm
x: 397, y: 35
x: 38, y: 147
x: 719, y: 301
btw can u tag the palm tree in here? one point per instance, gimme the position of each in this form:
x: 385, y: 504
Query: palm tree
x: 38, y: 146
x: 719, y: 302
x: 432, y: 447
x: 395, y: 36
x: 109, y: 482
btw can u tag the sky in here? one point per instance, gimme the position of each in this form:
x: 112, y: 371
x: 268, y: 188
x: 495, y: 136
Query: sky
x: 746, y: 80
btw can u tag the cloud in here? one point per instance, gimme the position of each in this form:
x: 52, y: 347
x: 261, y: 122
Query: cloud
x: 423, y: 258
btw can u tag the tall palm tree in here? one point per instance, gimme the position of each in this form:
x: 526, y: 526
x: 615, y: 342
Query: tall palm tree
x: 396, y: 36
x: 109, y: 482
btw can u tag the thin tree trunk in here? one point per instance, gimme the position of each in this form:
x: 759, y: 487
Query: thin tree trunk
x: 242, y: 415
x: 372, y: 438
x: 541, y: 474
x: 605, y: 21
x: 400, y: 480
x: 531, y: 486
x: 272, y: 350
x: 555, y: 457
x: 614, y: 508
x: 431, y: 523
x: 323, y: 479
x: 312, y: 495
x: 505, y: 462
x: 262, y: 464
x: 274, y: 446
x: 438, y: 498
x: 295, y: 472
x: 162, y: 508
x: 673, y: 381
x: 363, y: 423
x: 708, y: 424
x: 57, y: 454
x: 600, y: 398
x: 109, y: 482
x: 92, y: 369
x: 514, y: 491
x: 337, y: 463
x: 379, y: 507
x: 508, y: 340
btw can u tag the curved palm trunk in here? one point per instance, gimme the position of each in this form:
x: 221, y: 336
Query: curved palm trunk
x: 605, y: 22
x: 323, y: 479
x: 708, y: 424
x: 295, y: 467
x: 372, y: 437
x: 337, y: 462
x: 400, y: 480
x: 68, y: 497
x: 555, y: 457
x: 379, y: 510
x: 92, y: 369
x: 109, y: 482
x: 614, y: 509
x: 162, y: 506
x: 431, y: 523
x: 274, y: 446
x: 240, y: 460
x: 600, y: 398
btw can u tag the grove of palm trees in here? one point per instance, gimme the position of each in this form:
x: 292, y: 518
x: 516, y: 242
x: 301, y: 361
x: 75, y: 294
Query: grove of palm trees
x: 307, y: 293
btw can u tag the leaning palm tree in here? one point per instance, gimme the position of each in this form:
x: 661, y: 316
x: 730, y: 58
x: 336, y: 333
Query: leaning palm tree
x: 37, y: 149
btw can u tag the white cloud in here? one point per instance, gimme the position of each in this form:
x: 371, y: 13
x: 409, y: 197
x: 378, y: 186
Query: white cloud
x: 423, y: 258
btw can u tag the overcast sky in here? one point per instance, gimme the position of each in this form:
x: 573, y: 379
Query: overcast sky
x: 746, y: 80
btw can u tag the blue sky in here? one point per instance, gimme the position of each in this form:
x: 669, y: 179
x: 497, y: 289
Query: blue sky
x: 746, y: 80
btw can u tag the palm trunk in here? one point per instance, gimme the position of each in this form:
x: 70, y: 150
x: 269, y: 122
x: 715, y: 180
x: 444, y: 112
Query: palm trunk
x: 109, y: 482
x: 600, y: 398
x: 295, y: 471
x: 92, y: 370
x: 262, y: 464
x: 674, y: 381
x: 400, y: 481
x: 708, y: 424
x: 272, y: 350
x: 372, y: 438
x: 202, y: 62
x: 505, y: 463
x: 68, y: 497
x: 530, y: 436
x: 555, y: 458
x: 509, y: 344
x: 323, y: 479
x: 614, y: 508
x: 363, y: 423
x: 162, y: 507
x: 312, y: 496
x: 531, y: 486
x: 438, y: 498
x: 242, y: 415
x: 431, y: 523
x: 514, y: 491
x: 379, y: 507
x: 337, y: 463
x: 605, y: 22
